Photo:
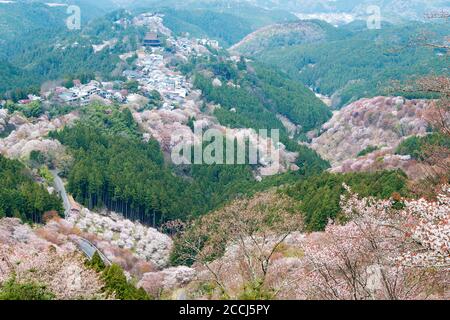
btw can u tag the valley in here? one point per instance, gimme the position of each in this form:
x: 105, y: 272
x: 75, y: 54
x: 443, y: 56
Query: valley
x: 318, y: 138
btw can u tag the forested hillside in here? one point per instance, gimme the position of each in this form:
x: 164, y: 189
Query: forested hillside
x: 395, y: 10
x: 114, y: 168
x: 254, y: 16
x: 20, y: 19
x: 320, y: 195
x: 23, y: 26
x: 316, y: 199
x: 417, y: 147
x: 21, y: 197
x: 225, y: 27
x: 252, y: 96
x: 113, y: 140
x: 55, y: 53
x: 37, y: 46
x: 90, y: 9
x: 108, y: 153
x: 290, y: 34
x: 363, y: 63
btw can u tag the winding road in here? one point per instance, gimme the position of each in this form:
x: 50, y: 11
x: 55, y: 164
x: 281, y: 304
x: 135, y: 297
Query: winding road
x: 59, y: 187
x: 89, y: 249
x: 84, y: 245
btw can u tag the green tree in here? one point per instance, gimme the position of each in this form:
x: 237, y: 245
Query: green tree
x: 320, y: 194
x: 132, y: 86
x: 33, y: 109
x: 21, y: 197
x: 12, y: 290
x: 96, y: 263
x: 37, y: 158
x: 116, y: 283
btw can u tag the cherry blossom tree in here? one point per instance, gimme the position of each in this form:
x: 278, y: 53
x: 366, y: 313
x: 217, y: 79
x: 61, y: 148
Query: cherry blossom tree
x: 381, y: 253
x: 240, y: 242
x: 28, y: 258
x: 63, y: 273
x: 437, y: 158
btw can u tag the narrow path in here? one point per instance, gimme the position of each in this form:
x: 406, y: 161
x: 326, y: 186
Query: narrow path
x: 87, y: 247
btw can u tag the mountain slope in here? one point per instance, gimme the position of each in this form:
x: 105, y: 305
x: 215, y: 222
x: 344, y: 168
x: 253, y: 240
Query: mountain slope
x: 380, y: 122
x: 392, y: 10
x: 285, y: 35
x: 38, y: 54
x: 226, y: 24
x: 18, y: 19
x: 225, y: 27
x: 89, y: 9
x: 356, y: 62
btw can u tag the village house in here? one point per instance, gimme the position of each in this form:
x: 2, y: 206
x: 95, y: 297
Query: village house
x: 24, y: 101
x: 67, y: 98
x: 81, y: 94
x: 208, y: 42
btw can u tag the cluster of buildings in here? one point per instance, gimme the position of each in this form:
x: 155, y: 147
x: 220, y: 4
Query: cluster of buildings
x: 210, y: 43
x: 83, y: 94
x: 191, y: 47
x: 153, y: 74
x: 153, y: 21
x: 151, y: 71
x: 181, y: 45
